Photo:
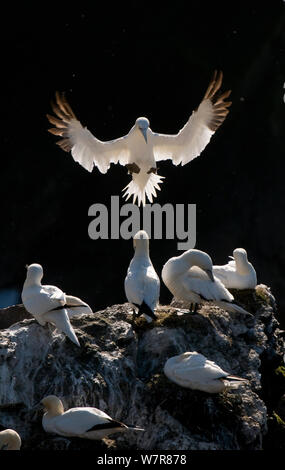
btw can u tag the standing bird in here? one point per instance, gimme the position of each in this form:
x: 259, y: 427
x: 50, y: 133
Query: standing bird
x: 189, y: 277
x: 84, y: 422
x: 141, y: 148
x: 238, y: 273
x: 142, y: 284
x: 49, y: 304
x: 195, y: 371
x: 10, y: 440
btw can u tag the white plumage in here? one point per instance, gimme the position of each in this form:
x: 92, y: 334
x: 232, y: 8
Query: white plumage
x: 189, y: 277
x: 49, y: 304
x: 195, y: 371
x: 238, y: 273
x: 140, y: 149
x: 10, y: 440
x: 84, y: 422
x: 142, y: 284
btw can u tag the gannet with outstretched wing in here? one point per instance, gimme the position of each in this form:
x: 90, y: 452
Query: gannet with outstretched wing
x: 141, y: 148
x: 85, y: 422
x: 49, y: 304
x: 189, y: 277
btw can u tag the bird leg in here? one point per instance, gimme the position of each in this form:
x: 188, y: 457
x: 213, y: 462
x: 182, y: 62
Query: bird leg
x: 132, y: 168
x: 193, y: 308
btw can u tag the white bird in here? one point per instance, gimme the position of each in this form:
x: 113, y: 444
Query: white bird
x: 10, y: 440
x: 141, y: 148
x: 238, y: 273
x: 142, y: 284
x: 49, y: 304
x: 195, y: 371
x: 84, y: 422
x: 189, y: 277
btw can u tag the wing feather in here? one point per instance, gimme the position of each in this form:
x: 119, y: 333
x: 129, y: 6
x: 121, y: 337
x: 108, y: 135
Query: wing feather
x: 85, y: 148
x: 197, y: 132
x: 78, y: 421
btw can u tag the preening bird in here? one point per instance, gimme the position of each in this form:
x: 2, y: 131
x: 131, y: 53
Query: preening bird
x: 142, y: 284
x: 195, y: 371
x: 49, y: 304
x: 141, y: 149
x: 10, y: 440
x: 84, y: 422
x: 238, y: 273
x: 189, y: 277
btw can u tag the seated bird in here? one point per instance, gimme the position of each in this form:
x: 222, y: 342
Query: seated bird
x: 141, y: 148
x: 84, y: 422
x: 195, y: 371
x: 238, y: 273
x: 189, y: 277
x: 10, y: 440
x: 142, y: 284
x: 49, y: 304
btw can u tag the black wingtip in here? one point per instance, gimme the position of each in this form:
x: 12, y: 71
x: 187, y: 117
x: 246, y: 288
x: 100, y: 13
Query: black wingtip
x: 144, y: 308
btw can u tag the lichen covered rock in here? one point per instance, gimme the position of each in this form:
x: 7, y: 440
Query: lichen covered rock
x: 119, y: 369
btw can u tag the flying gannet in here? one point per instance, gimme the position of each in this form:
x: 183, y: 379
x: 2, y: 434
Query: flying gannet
x: 10, y: 440
x: 189, y: 277
x: 141, y: 149
x: 49, y: 304
x: 84, y: 422
x: 238, y: 273
x: 195, y: 371
x: 142, y: 284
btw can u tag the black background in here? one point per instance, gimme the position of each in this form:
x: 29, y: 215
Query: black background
x: 117, y: 62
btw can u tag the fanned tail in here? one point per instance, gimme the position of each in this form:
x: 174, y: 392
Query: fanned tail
x: 142, y: 185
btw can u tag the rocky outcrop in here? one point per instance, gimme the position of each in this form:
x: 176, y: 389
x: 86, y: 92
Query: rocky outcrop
x: 119, y: 369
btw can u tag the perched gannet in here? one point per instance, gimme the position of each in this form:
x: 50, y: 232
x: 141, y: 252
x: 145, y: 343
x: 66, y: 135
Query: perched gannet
x: 189, y: 277
x: 238, y: 273
x: 10, y: 440
x: 48, y: 304
x: 142, y: 285
x: 193, y: 370
x: 84, y: 422
x: 141, y: 148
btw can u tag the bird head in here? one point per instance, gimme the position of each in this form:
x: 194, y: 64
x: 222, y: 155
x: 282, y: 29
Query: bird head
x: 9, y: 440
x: 53, y: 405
x: 200, y: 259
x: 142, y: 124
x: 240, y: 253
x: 141, y: 239
x: 34, y: 272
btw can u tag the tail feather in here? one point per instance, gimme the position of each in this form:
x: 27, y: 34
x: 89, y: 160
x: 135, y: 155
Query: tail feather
x: 61, y: 320
x: 134, y: 428
x: 231, y: 307
x: 142, y: 185
x: 235, y: 378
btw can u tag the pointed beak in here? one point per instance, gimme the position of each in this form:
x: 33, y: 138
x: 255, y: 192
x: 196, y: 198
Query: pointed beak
x: 231, y: 257
x: 144, y: 133
x: 209, y: 273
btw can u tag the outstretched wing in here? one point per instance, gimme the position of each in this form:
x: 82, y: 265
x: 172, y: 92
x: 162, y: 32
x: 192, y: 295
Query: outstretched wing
x: 85, y: 148
x: 197, y: 132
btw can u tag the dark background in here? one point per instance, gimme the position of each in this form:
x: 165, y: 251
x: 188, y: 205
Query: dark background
x: 117, y: 63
